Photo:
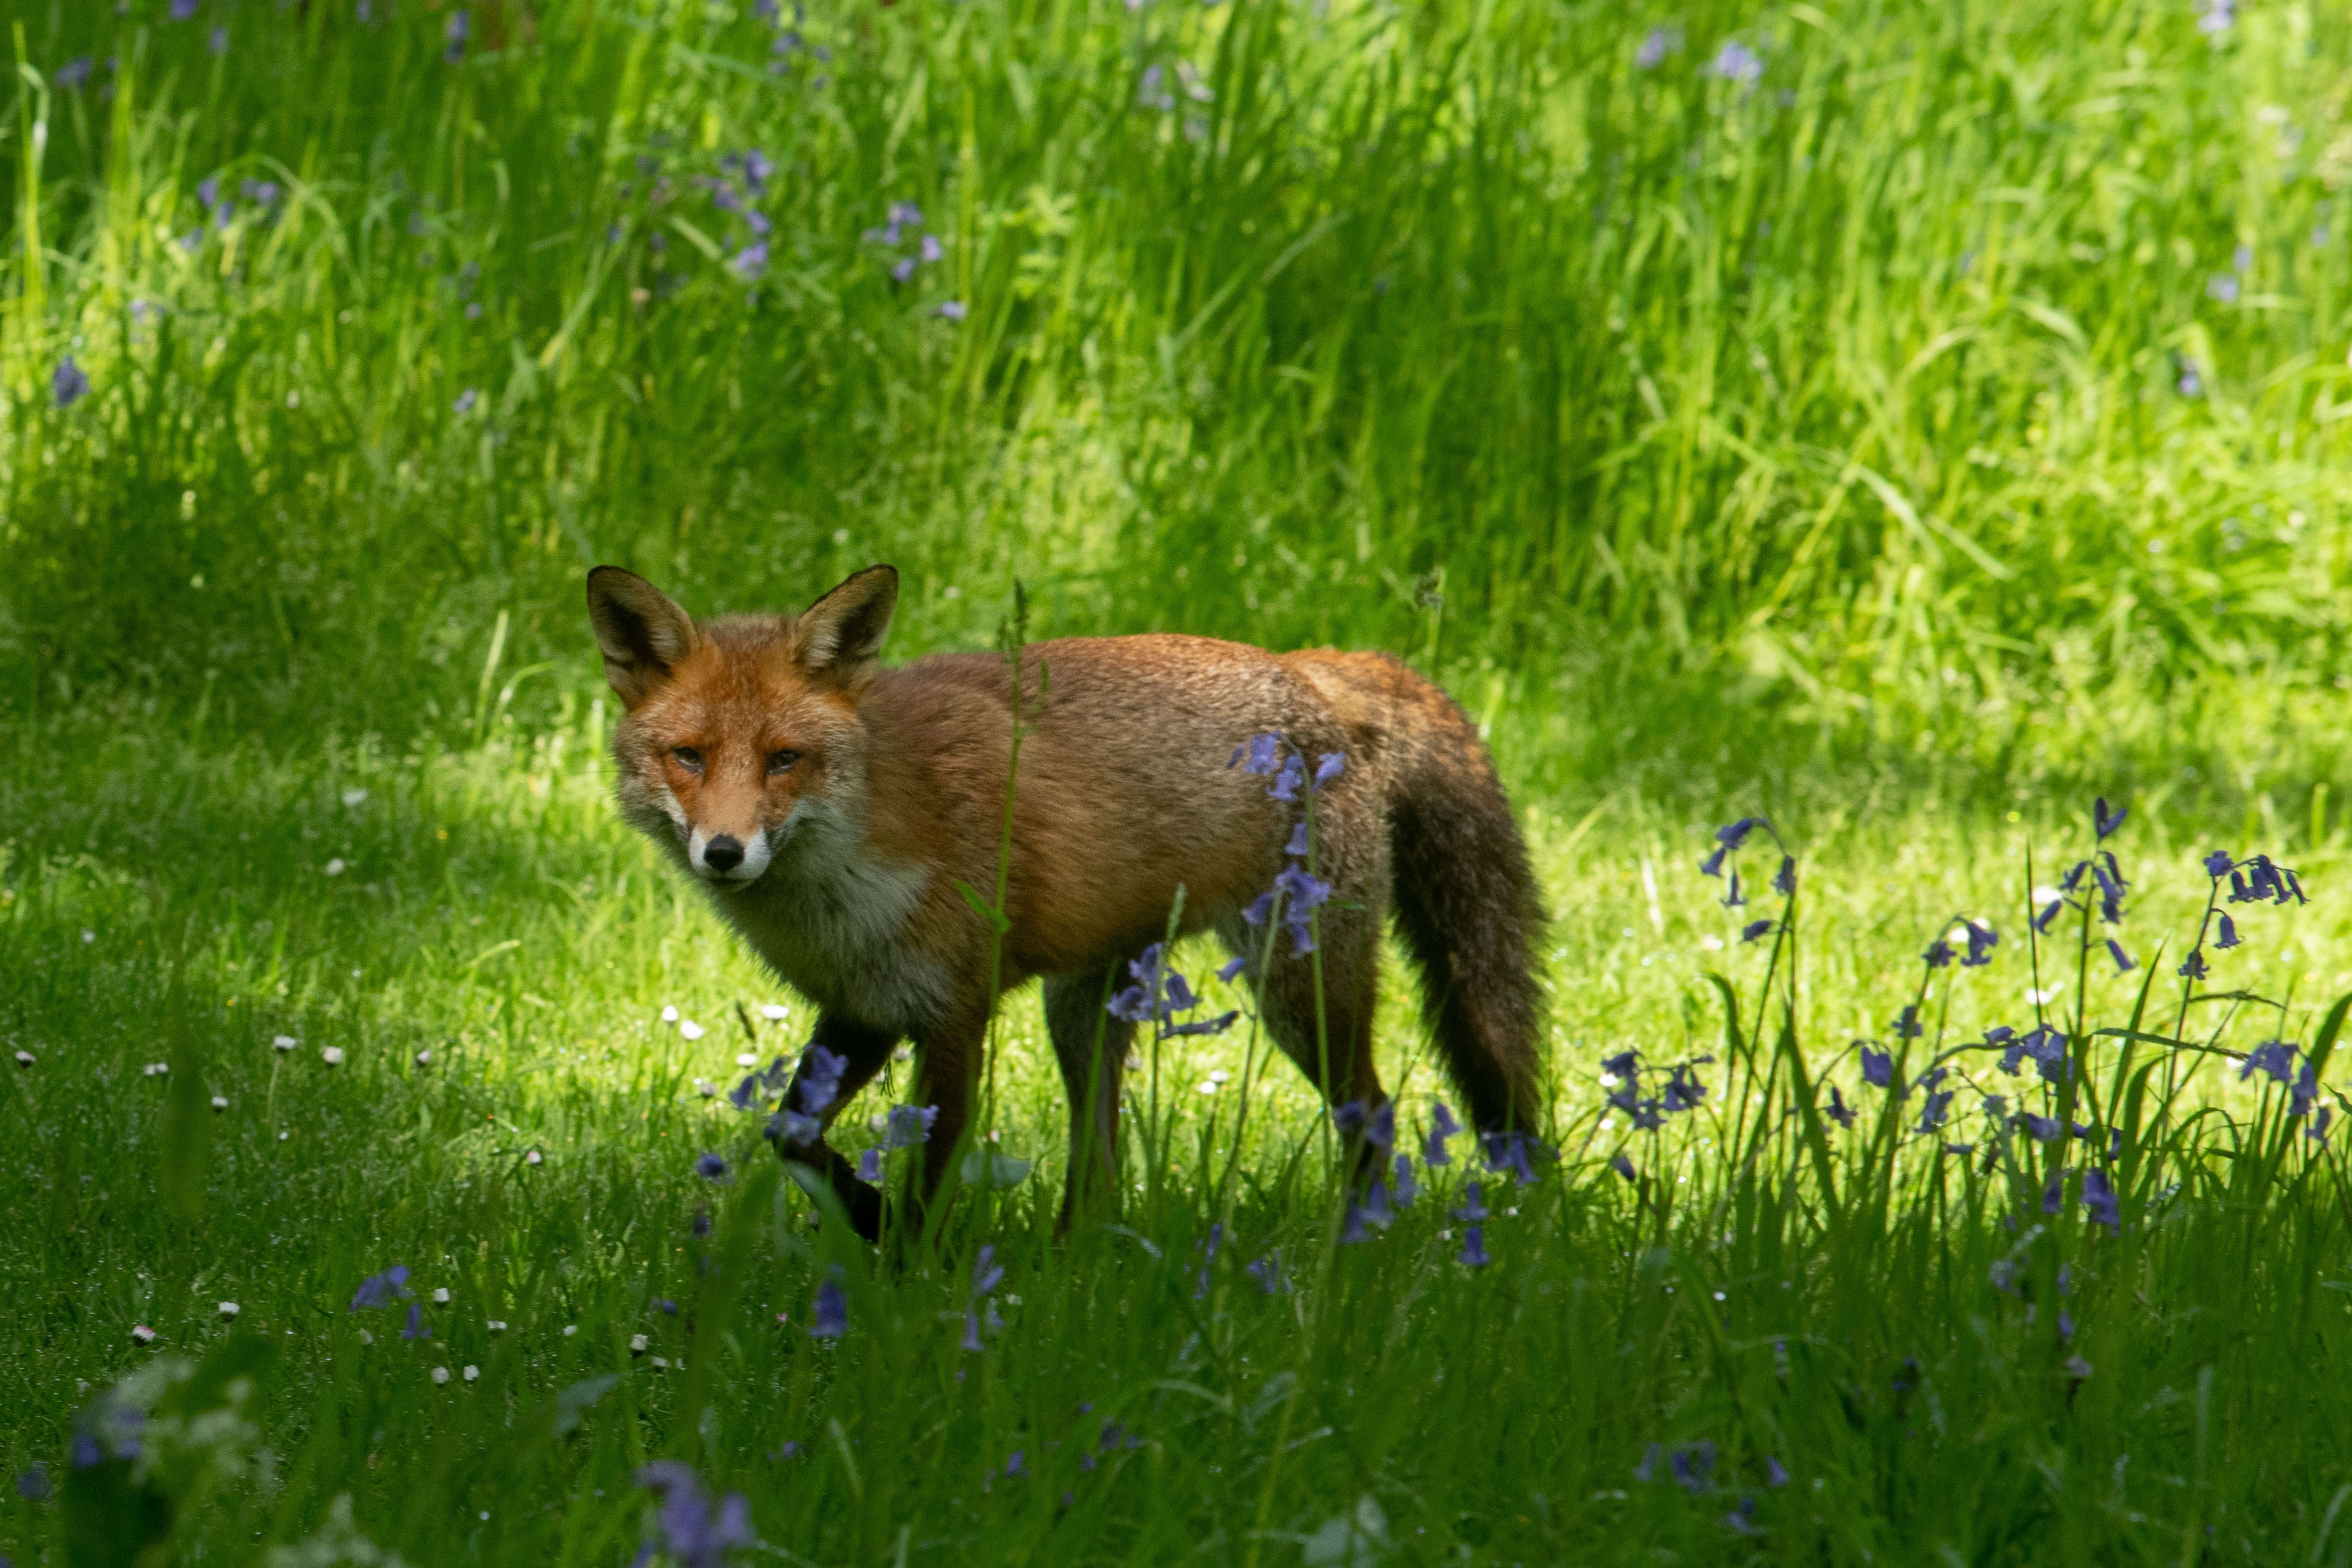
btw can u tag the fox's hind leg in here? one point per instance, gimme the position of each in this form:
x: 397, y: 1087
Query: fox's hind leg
x: 1337, y: 1056
x: 1091, y: 1047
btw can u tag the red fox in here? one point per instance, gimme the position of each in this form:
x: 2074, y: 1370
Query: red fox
x: 829, y: 807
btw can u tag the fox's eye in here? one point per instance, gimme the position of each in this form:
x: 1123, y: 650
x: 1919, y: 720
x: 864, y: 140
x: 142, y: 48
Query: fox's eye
x: 782, y: 762
x: 689, y: 759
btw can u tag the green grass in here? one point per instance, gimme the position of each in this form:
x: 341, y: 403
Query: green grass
x: 1817, y: 448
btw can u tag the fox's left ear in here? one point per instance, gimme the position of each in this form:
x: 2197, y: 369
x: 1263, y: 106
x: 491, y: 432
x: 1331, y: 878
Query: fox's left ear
x: 840, y: 634
x: 641, y: 631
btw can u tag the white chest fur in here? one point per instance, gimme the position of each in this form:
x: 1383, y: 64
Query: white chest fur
x: 833, y: 922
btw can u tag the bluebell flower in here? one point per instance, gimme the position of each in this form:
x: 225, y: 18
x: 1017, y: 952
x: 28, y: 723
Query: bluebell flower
x: 701, y: 1225
x: 2106, y: 823
x: 931, y: 249
x: 1684, y: 1090
x: 456, y: 31
x: 1476, y: 1209
x: 1930, y: 1078
x: 1982, y: 940
x: 2305, y: 1089
x: 953, y: 309
x: 1907, y: 1025
x: 821, y: 1073
x: 1298, y: 847
x: 1474, y: 1248
x: 1407, y: 1188
x: 693, y: 1532
x: 1840, y: 1111
x: 2229, y: 937
x: 906, y: 214
x: 1441, y: 1127
x: 1877, y: 1067
x: 986, y: 1273
x: 2101, y: 1201
x: 1621, y: 1065
x: 1649, y: 1465
x: 1376, y: 1125
x: 1623, y: 1165
x: 1656, y: 44
x: 1267, y: 1272
x: 1737, y: 62
x: 1303, y: 894
x: 757, y: 167
x: 869, y: 1166
x: 794, y: 1128
x: 1939, y: 954
x: 2125, y: 964
x: 1774, y: 1474
x: 2049, y: 912
x: 1693, y: 1466
x: 1756, y: 929
x: 903, y: 271
x: 831, y: 1311
x: 2194, y: 967
x: 664, y: 1306
x: 2053, y: 1196
x: 908, y: 1124
x: 73, y: 73
x: 972, y: 1340
x: 2043, y: 1129
x: 466, y: 400
x: 1232, y: 967
x: 1931, y: 1114
x: 415, y: 1329
x: 1785, y: 882
x: 750, y: 262
x: 1328, y: 766
x: 1732, y: 897
x: 2111, y: 892
x: 1508, y: 1151
x: 381, y: 1290
x: 2318, y: 1131
x: 1735, y: 834
x: 1287, y: 782
x: 69, y: 386
x: 184, y: 10
x: 1742, y: 1516
x: 1713, y: 864
x: 2276, y: 1057
x: 711, y: 1167
x: 1259, y: 754
x: 758, y: 223
x: 1352, y: 1230
x: 2218, y: 865
x: 1256, y: 911
x: 2048, y: 1048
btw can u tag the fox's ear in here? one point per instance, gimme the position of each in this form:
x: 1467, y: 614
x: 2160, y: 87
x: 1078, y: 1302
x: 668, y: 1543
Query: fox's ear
x: 641, y: 631
x: 840, y: 634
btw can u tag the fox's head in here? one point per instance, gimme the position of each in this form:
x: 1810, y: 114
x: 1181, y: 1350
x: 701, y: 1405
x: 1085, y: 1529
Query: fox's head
x: 742, y: 732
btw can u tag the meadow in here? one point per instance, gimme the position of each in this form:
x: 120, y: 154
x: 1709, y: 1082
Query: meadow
x: 1917, y: 425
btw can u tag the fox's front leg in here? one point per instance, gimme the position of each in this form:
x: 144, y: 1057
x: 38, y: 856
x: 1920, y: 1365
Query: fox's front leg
x: 865, y: 1049
x: 950, y: 1056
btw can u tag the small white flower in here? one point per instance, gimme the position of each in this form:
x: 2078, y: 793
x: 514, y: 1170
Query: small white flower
x: 229, y: 1310
x: 637, y: 1345
x: 1211, y: 1086
x: 746, y: 1059
x: 571, y: 1329
x: 89, y: 935
x: 157, y: 1069
x: 220, y: 1102
x: 335, y: 868
x: 284, y: 1042
x: 669, y: 1015
x: 1712, y: 944
x: 333, y: 1055
x: 497, y: 1325
x: 775, y: 1012
x: 440, y: 1375
x: 283, y: 1136
x: 691, y: 1030
x: 472, y: 1373
x: 26, y: 1058
x: 879, y: 1122
x: 662, y: 1361
x: 531, y: 1158
x: 424, y: 1057
x: 704, y: 1087
x: 1219, y: 1075
x: 366, y: 1338
x: 141, y: 1335
x: 355, y: 797
x: 441, y: 1297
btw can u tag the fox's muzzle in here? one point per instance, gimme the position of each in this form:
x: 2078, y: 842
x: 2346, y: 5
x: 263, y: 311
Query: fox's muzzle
x: 724, y: 857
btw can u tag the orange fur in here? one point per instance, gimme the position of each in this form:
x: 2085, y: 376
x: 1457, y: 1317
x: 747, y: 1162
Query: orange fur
x: 861, y: 796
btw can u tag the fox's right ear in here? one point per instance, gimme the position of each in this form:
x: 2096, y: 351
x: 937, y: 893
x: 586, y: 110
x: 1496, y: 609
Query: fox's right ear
x: 641, y: 631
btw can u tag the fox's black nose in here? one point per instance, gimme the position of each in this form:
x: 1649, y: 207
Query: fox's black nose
x: 723, y: 853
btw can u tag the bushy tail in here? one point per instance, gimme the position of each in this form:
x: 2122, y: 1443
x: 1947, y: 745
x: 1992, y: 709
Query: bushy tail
x: 1469, y: 913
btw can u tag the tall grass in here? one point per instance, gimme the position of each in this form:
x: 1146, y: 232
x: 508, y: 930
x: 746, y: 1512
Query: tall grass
x: 1893, y: 389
